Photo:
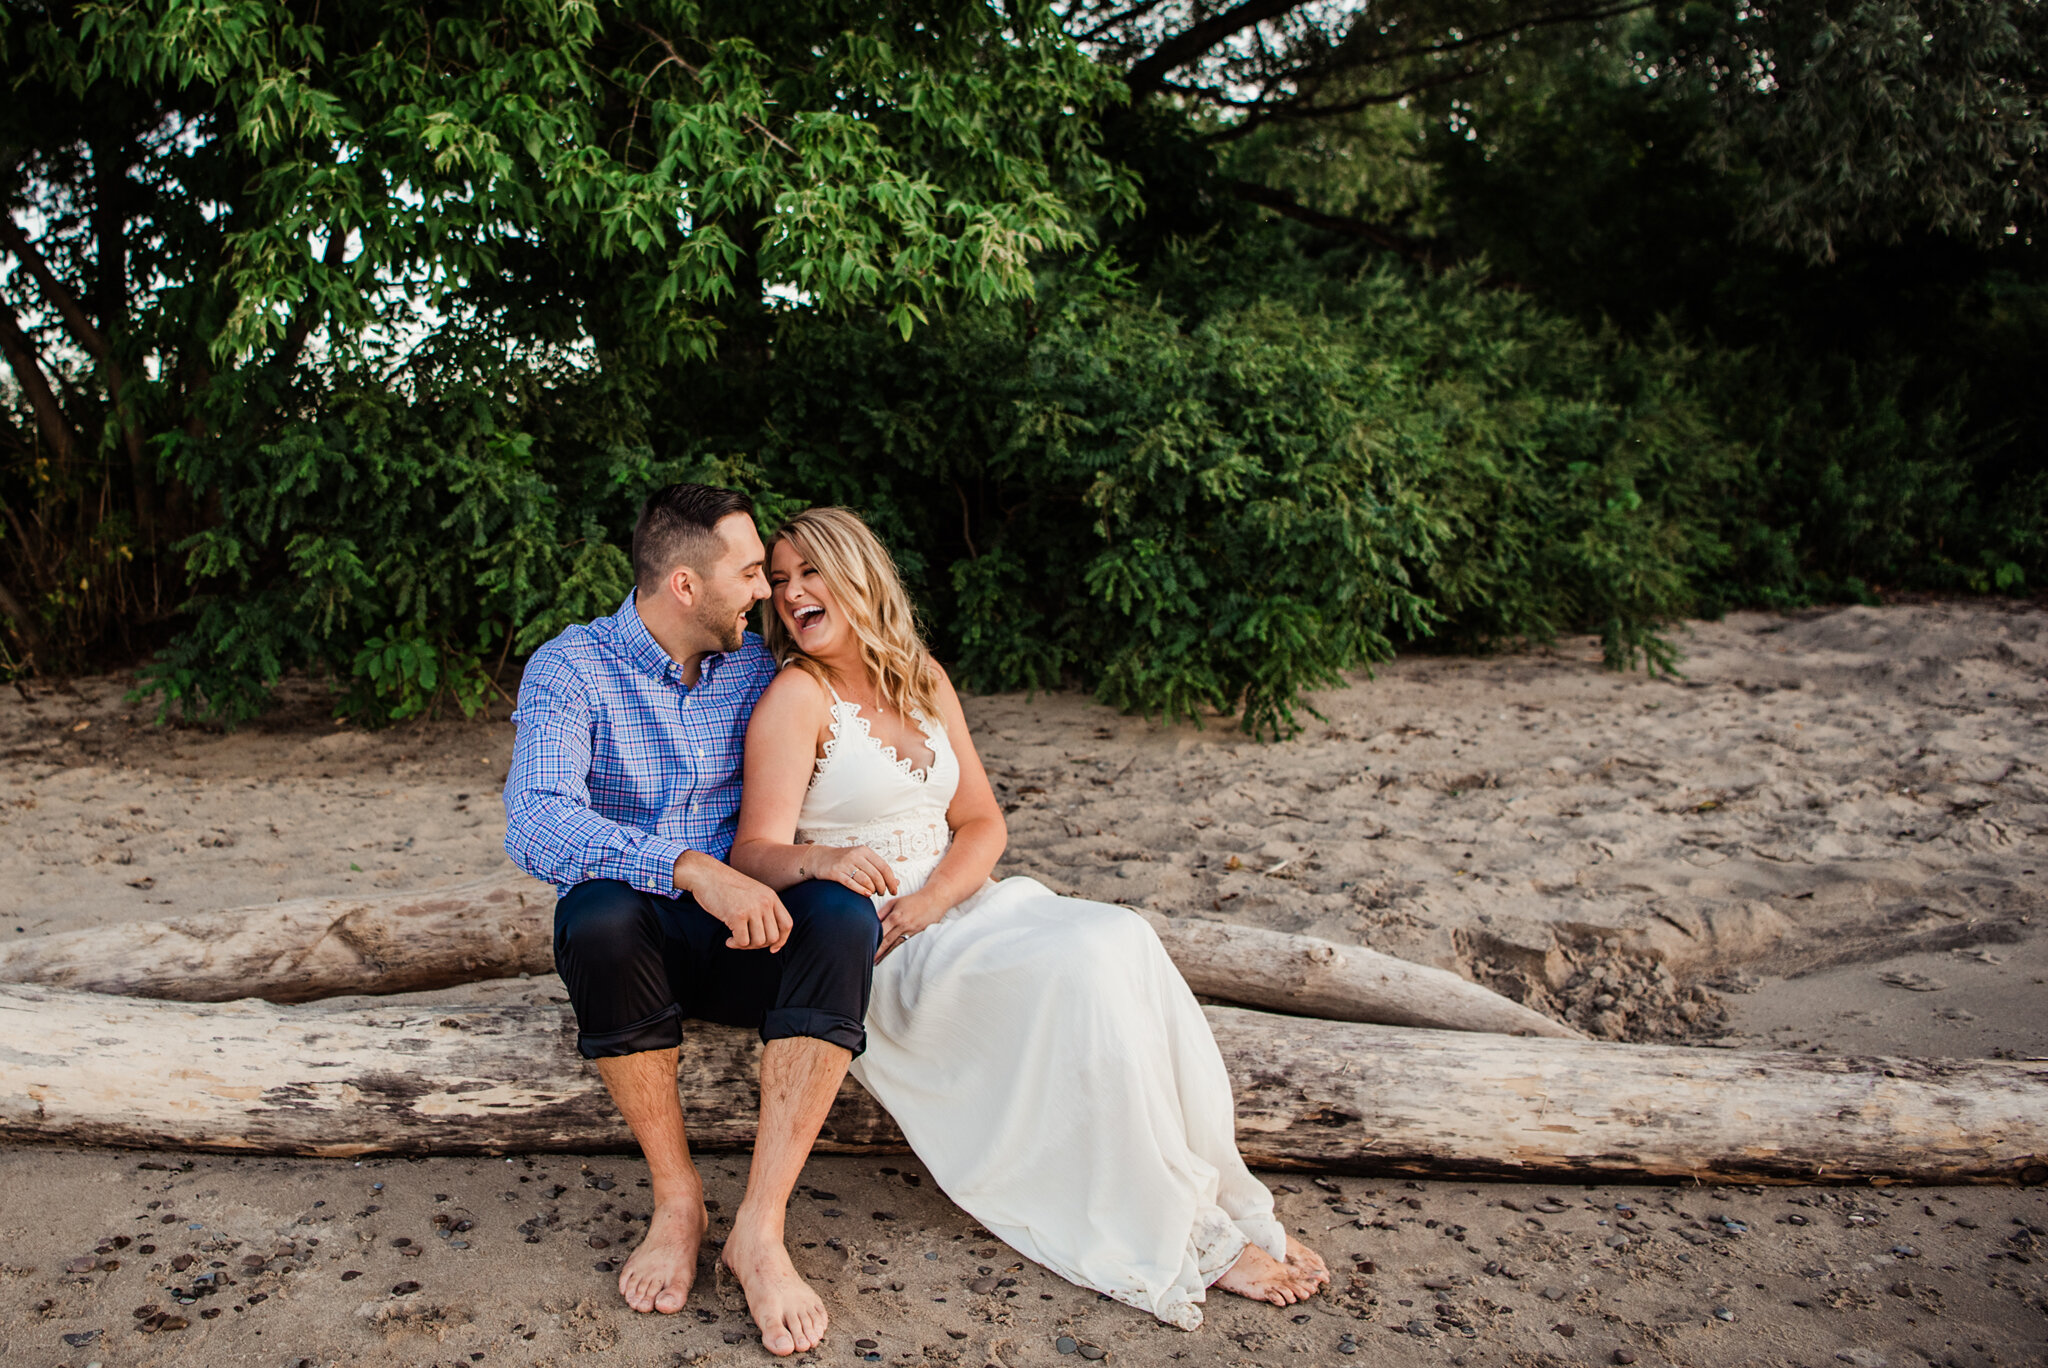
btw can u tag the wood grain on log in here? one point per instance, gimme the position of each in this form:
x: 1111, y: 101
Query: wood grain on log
x: 306, y: 949
x: 503, y: 926
x: 1319, y: 978
x: 403, y: 1077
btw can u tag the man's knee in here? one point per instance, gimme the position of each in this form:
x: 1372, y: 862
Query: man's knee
x: 608, y: 950
x: 602, y: 920
x: 833, y: 917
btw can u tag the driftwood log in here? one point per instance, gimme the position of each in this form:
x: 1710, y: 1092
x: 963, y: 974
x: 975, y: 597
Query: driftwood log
x: 308, y: 948
x: 404, y: 1077
x: 1309, y: 977
x: 501, y: 927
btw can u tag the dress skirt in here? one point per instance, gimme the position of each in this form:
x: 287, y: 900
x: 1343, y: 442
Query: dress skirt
x: 1057, y: 1078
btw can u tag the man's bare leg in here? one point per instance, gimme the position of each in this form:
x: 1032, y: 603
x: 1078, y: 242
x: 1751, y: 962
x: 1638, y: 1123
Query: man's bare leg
x: 658, y: 1275
x: 800, y: 1076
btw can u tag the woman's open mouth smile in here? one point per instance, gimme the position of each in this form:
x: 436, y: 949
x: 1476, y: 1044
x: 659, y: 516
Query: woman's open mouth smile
x: 807, y: 617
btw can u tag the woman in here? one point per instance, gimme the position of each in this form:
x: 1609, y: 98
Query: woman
x: 1045, y: 1059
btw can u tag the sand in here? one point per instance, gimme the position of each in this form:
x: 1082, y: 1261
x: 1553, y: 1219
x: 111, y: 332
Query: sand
x: 1825, y: 836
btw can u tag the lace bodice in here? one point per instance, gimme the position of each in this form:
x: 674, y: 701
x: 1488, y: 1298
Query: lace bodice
x: 863, y: 793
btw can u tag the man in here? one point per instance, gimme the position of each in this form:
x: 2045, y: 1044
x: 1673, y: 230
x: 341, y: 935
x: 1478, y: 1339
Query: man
x: 624, y: 793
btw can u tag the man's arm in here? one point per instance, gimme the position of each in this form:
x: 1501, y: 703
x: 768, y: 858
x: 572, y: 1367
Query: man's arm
x: 551, y: 831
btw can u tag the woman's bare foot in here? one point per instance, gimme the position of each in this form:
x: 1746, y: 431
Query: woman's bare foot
x: 658, y: 1275
x: 1260, y: 1276
x: 785, y: 1309
x: 1301, y: 1256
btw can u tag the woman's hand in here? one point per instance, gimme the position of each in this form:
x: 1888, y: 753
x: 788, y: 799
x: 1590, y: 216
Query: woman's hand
x: 904, y: 917
x: 859, y: 868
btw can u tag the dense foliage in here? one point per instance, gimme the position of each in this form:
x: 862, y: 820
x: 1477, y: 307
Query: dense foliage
x: 1195, y: 353
x: 292, y: 288
x: 1217, y: 511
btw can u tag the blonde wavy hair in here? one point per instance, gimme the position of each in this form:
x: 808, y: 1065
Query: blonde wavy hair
x: 861, y: 576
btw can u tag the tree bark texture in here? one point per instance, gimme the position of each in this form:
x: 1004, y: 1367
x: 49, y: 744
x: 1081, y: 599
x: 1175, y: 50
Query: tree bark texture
x: 307, y: 949
x: 502, y: 926
x: 404, y: 1077
x: 1317, y: 978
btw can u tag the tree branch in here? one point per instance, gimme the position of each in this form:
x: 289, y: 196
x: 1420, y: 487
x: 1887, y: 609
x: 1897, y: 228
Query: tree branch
x: 1136, y: 11
x: 1580, y: 16
x: 94, y: 342
x: 112, y: 191
x: 21, y: 359
x: 698, y: 76
x: 301, y: 326
x: 1284, y: 204
x: 60, y: 297
x: 1260, y: 117
x: 1149, y: 73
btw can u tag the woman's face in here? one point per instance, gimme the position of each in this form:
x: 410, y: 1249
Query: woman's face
x: 804, y: 604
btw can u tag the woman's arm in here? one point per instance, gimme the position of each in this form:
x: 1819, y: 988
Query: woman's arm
x: 789, y: 724
x: 979, y: 835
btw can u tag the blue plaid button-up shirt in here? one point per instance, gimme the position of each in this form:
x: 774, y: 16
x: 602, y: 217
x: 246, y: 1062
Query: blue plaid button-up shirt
x: 618, y: 768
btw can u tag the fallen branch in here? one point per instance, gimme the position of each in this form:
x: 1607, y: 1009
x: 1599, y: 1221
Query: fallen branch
x: 404, y: 1077
x: 502, y: 926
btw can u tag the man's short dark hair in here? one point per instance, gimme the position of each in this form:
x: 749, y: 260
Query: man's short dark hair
x: 678, y: 526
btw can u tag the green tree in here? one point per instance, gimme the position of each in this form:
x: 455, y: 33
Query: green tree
x: 1196, y: 351
x: 245, y: 240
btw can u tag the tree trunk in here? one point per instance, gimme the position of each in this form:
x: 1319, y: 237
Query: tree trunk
x: 502, y: 926
x: 42, y: 400
x: 408, y: 1078
x: 96, y: 345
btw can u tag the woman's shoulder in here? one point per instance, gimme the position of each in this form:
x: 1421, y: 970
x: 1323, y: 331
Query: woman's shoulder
x: 794, y: 692
x: 941, y: 684
x: 949, y: 712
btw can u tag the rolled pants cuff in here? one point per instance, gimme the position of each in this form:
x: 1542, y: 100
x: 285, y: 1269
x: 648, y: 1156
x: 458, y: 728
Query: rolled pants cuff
x: 662, y: 1031
x: 783, y: 1023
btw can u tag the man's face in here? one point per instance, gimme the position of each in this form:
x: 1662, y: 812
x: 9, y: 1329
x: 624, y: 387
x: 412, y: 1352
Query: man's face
x: 730, y: 586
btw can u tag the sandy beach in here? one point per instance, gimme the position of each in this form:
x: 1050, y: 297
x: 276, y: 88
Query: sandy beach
x: 1828, y: 835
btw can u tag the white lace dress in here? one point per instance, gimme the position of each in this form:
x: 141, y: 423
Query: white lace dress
x: 1044, y: 1057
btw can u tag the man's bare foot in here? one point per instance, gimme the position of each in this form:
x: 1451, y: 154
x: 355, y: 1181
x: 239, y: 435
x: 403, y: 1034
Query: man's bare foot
x: 658, y: 1275
x: 1260, y: 1276
x: 785, y: 1309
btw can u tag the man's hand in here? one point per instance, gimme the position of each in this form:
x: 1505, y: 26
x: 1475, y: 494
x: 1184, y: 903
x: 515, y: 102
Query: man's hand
x: 749, y: 909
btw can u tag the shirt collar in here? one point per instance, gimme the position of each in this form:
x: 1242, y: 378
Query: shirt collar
x: 644, y: 653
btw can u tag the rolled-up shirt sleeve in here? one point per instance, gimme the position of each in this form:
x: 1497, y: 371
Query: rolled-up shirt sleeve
x: 551, y: 830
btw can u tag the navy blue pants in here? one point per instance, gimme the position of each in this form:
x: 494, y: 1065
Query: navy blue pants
x: 637, y: 964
